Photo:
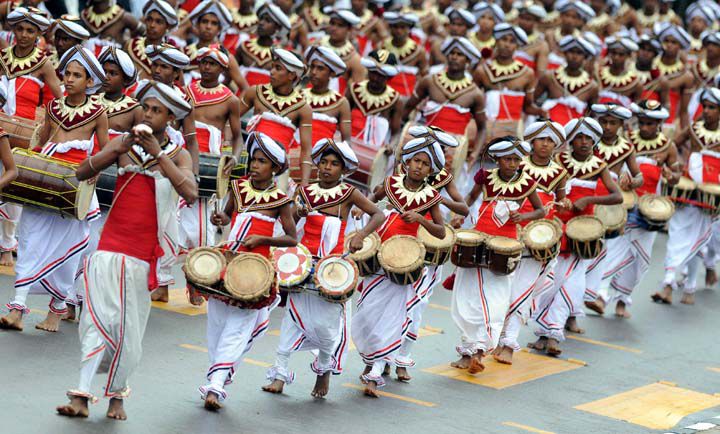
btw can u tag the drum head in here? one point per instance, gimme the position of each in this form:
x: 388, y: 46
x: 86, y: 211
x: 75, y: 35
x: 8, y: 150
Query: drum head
x: 685, y: 183
x: 630, y: 199
x: 469, y: 237
x: 509, y: 246
x: 377, y: 170
x: 713, y: 189
x: 585, y: 228
x: 293, y: 264
x: 336, y: 276
x: 371, y: 244
x: 249, y: 276
x: 431, y: 242
x: 401, y: 253
x: 540, y: 234
x: 223, y: 181
x: 612, y: 216
x: 204, y: 265
x: 83, y: 199
x: 656, y: 208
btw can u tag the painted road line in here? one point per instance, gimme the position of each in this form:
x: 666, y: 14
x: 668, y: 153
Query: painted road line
x: 655, y: 406
x: 245, y: 360
x: 604, y: 344
x: 711, y: 368
x: 527, y: 428
x: 394, y: 396
x: 438, y: 306
x: 179, y: 303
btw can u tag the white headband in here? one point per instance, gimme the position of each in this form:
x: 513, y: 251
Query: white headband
x: 31, y: 15
x: 584, y: 125
x: 380, y: 67
x: 327, y: 57
x: 585, y: 11
x: 429, y: 147
x: 464, y: 45
x: 437, y: 134
x: 211, y: 7
x: 350, y: 160
x: 121, y: 58
x: 72, y: 29
x: 503, y: 29
x: 214, y: 52
x: 614, y: 110
x: 621, y: 42
x: 163, y: 8
x: 652, y: 110
x: 497, y: 13
x: 400, y: 18
x: 542, y: 129
x: 88, y: 61
x: 569, y: 42
x: 270, y: 148
x: 167, y: 54
x: 289, y: 60
x: 677, y: 33
x: 344, y: 14
x: 531, y: 8
x: 168, y: 96
x: 463, y: 14
x: 276, y: 15
x: 711, y: 94
x: 505, y: 148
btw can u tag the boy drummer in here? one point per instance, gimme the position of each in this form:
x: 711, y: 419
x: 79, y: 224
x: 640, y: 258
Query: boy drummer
x: 254, y: 207
x: 382, y: 318
x: 310, y: 319
x: 480, y: 297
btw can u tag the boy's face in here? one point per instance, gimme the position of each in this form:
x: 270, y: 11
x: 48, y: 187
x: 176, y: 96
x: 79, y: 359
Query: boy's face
x: 64, y: 42
x: 711, y: 112
x: 266, y: 26
x: 648, y: 128
x: 399, y: 31
x: 114, y: 78
x: 76, y: 79
x: 508, y: 165
x: 163, y: 72
x: 671, y: 46
x: 338, y: 29
x: 618, y: 56
x: 457, y: 26
x: 25, y: 34
x: 210, y: 69
x: 486, y: 22
x: 319, y: 73
x: 261, y: 167
x: 575, y: 58
x: 156, y: 115
x: 279, y: 75
x: 208, y: 27
x: 377, y: 79
x: 330, y: 168
x: 610, y: 125
x: 155, y: 25
x: 419, y: 167
x: 456, y: 60
x: 506, y: 45
x: 582, y: 145
x: 543, y: 147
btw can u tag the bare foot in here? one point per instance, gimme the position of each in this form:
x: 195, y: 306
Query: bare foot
x: 322, y: 386
x: 572, y: 326
x: 621, y: 310
x: 78, y: 407
x: 71, y: 314
x: 275, y: 387
x: 476, y: 365
x: 711, y: 278
x: 116, y: 410
x: 553, y: 347
x: 462, y: 363
x: 194, y: 297
x: 160, y: 294
x: 212, y: 403
x: 402, y: 374
x: 539, y: 345
x: 371, y: 389
x: 12, y: 321
x: 386, y: 371
x: 6, y: 259
x: 504, y: 355
x: 365, y: 372
x: 597, y: 305
x: 687, y: 298
x: 50, y: 324
x: 664, y: 297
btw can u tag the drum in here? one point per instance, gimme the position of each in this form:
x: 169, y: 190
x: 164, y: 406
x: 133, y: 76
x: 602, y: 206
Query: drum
x: 683, y: 191
x: 542, y: 239
x: 212, y: 179
x: 503, y: 254
x: 250, y: 279
x: 105, y: 186
x: 336, y: 278
x: 613, y: 217
x: 295, y: 168
x: 585, y: 235
x: 365, y: 258
x: 403, y: 259
x: 630, y: 199
x: 204, y: 266
x: 710, y: 197
x: 372, y: 165
x: 48, y: 184
x: 22, y: 133
x: 437, y: 251
x: 293, y: 265
x: 469, y: 248
x: 656, y: 210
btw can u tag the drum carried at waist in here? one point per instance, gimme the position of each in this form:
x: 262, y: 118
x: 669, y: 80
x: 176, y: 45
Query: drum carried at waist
x: 585, y: 236
x: 22, y: 133
x: 630, y: 199
x: 403, y: 259
x: 294, y: 265
x: 212, y: 178
x: 48, y: 184
x: 656, y: 211
x: 105, y: 186
x: 469, y: 249
x: 503, y: 254
x: 365, y: 258
x: 336, y: 278
x: 542, y: 239
x: 437, y: 251
x: 683, y: 192
x: 613, y: 217
x: 372, y: 165
x: 709, y: 195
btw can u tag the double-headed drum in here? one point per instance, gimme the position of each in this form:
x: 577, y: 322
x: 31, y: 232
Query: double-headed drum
x: 365, y: 258
x: 542, y: 239
x: 613, y: 217
x: 630, y: 199
x: 656, y: 210
x: 469, y: 249
x: 212, y: 178
x: 22, y: 133
x: 205, y: 266
x: 585, y: 236
x: 710, y: 197
x: 682, y: 192
x: 294, y: 265
x: 250, y: 279
x: 503, y: 254
x: 437, y: 251
x: 336, y: 278
x: 403, y: 259
x: 105, y: 186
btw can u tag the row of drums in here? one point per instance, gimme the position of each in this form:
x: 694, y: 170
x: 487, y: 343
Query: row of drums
x: 687, y: 191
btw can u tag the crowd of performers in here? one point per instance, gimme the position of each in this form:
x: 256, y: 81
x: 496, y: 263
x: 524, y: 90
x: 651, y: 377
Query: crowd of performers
x: 480, y: 121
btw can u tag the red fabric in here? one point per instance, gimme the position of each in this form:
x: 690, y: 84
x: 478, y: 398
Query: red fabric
x: 607, y: 100
x: 96, y: 145
x: 546, y: 198
x: 553, y: 66
x: 575, y: 194
x: 313, y: 234
x: 27, y: 97
x: 130, y: 91
x: 450, y: 120
x: 532, y: 65
x: 486, y: 224
x: 202, y: 136
x: 322, y: 130
x: 357, y: 125
x: 511, y: 107
x: 394, y: 225
x: 650, y: 95
x: 75, y: 156
x: 231, y: 41
x: 362, y: 43
x: 698, y: 112
x: 256, y: 78
x: 404, y: 83
x: 131, y: 228
x: 282, y: 134
x: 563, y: 114
x: 674, y: 97
x: 342, y: 85
x: 711, y: 169
x: 189, y: 5
x: 651, y: 179
x: 258, y: 227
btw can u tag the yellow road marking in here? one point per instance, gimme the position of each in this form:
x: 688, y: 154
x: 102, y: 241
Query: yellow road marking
x: 392, y: 395
x: 526, y: 367
x: 274, y: 332
x: 527, y: 428
x: 603, y: 344
x: 179, y: 303
x: 246, y: 360
x: 655, y: 406
x: 438, y: 306
x: 710, y: 368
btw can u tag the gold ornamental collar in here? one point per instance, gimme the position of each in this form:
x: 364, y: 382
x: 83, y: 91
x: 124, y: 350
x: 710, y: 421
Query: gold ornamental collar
x: 278, y: 104
x: 114, y: 108
x: 453, y: 88
x: 572, y: 84
x: 73, y: 117
x: 244, y: 22
x: 370, y: 103
x: 260, y: 54
x: 707, y: 138
x: 608, y: 80
x: 648, y: 147
x: 480, y: 44
x: 581, y: 169
x: 404, y: 53
x: 316, y: 19
x: 675, y: 68
x: 97, y: 23
x: 344, y: 51
x: 404, y: 199
x: 324, y: 101
x: 251, y: 199
x: 517, y: 188
x: 547, y: 177
x: 318, y: 197
x: 498, y: 73
x: 14, y: 66
x: 614, y: 153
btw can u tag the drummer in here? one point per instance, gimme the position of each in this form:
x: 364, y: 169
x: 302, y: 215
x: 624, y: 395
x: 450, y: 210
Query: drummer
x: 321, y: 219
x: 159, y: 18
x: 123, y: 111
x: 533, y: 279
x: 481, y: 298
x: 379, y: 326
x: 585, y: 169
x: 51, y: 245
x: 657, y: 158
x: 254, y: 207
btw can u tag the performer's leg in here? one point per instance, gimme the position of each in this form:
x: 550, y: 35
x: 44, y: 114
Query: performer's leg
x: 291, y: 336
x: 689, y: 231
x: 9, y: 216
x: 416, y: 307
x: 628, y: 279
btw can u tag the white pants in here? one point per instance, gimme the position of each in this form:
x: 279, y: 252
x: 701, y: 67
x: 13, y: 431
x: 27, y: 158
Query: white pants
x: 711, y: 252
x: 112, y: 324
x: 569, y: 287
x: 9, y: 217
x: 310, y: 323
x: 615, y: 256
x: 689, y: 231
x: 171, y: 250
x: 480, y: 300
x: 77, y: 291
x: 231, y: 332
x: 416, y: 307
x: 624, y: 282
x: 195, y: 229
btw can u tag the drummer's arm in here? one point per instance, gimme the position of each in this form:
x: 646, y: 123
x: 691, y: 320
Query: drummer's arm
x: 418, y: 95
x: 235, y: 128
x: 49, y: 77
x: 475, y: 143
x: 369, y: 208
x: 288, y: 224
x: 538, y: 211
x: 306, y: 164
x: 637, y: 177
x: 247, y: 100
x: 473, y: 195
x: 436, y: 227
x: 672, y: 168
x: 345, y: 121
x: 614, y: 198
x: 456, y: 203
x: 396, y: 117
x: 191, y: 144
x: 682, y: 139
x: 235, y: 74
x: 9, y: 169
x: 107, y: 156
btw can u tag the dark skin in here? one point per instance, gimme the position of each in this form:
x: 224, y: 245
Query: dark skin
x: 299, y: 32
x: 375, y: 33
x: 116, y: 31
x: 26, y: 35
x: 684, y: 139
x: 156, y: 27
x: 9, y: 174
x: 455, y: 27
x: 540, y: 50
x: 177, y: 169
x: 266, y: 30
x: 681, y: 83
x: 208, y: 29
x: 618, y: 58
x: 671, y: 168
x: 611, y: 126
x: 339, y: 31
x: 575, y: 59
x: 64, y: 42
x: 400, y: 34
x: 113, y: 86
x: 320, y: 75
x: 377, y: 84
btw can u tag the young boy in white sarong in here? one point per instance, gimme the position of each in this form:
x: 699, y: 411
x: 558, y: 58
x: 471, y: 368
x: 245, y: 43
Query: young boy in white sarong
x: 481, y: 298
x: 254, y: 207
x: 532, y: 279
x: 152, y: 168
x: 51, y: 245
x: 382, y: 319
x: 310, y: 321
x: 691, y: 227
x: 585, y: 169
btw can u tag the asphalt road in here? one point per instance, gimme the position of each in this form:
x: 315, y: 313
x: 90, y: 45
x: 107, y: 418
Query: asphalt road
x: 656, y: 372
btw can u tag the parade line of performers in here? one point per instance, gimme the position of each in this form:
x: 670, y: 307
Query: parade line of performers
x: 290, y: 156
